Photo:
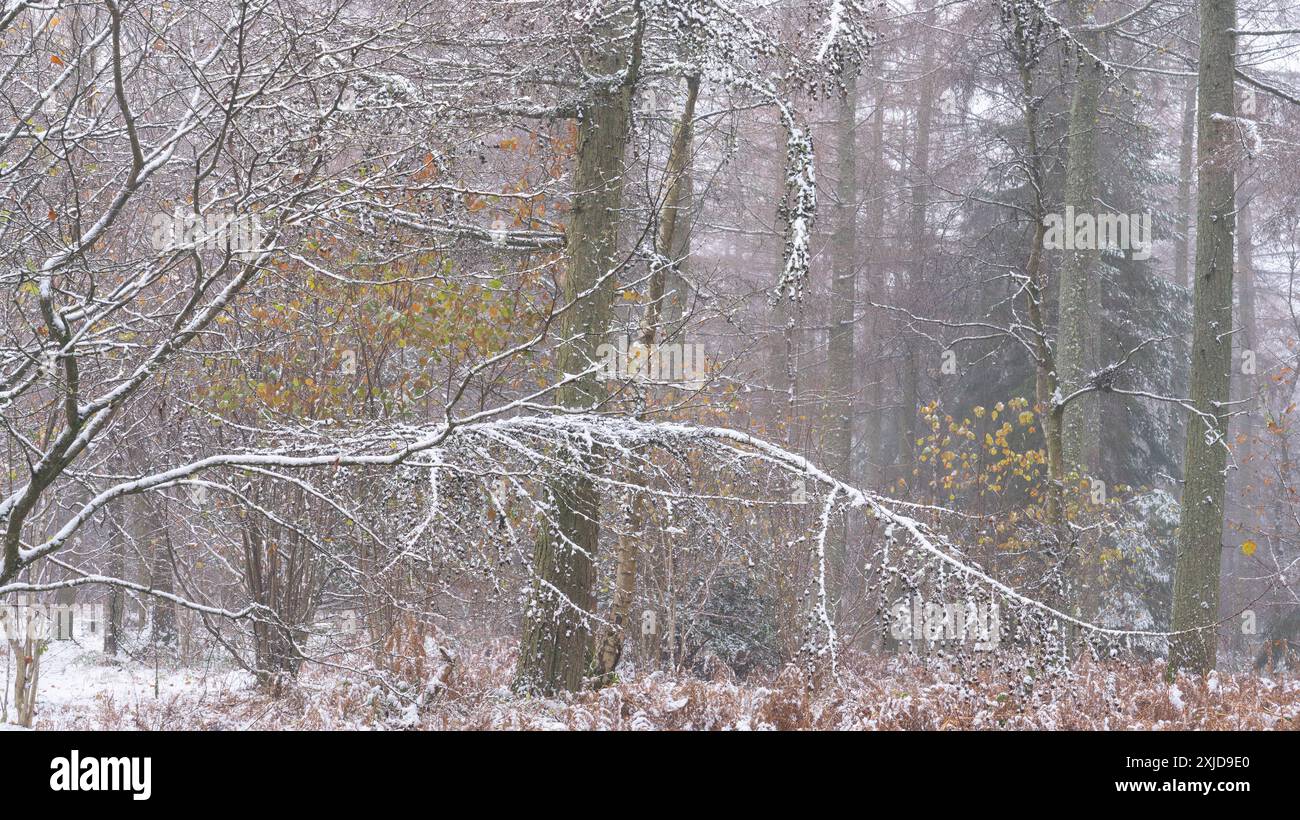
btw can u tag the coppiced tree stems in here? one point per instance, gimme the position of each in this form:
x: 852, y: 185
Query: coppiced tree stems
x: 671, y: 223
x: 27, y: 676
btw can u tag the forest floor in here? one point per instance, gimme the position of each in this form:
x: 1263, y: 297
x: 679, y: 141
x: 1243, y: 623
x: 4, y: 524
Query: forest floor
x: 81, y: 689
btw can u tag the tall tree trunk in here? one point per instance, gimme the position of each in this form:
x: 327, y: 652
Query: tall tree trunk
x: 782, y: 338
x: 910, y: 374
x: 1196, y: 570
x: 1078, y: 286
x: 1246, y: 400
x: 875, y: 433
x: 1248, y: 339
x: 841, y: 349
x: 1183, y: 204
x: 557, y: 618
x: 844, y: 288
x: 1045, y: 378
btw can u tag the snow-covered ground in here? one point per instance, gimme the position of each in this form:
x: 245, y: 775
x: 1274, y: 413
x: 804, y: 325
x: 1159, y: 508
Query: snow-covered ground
x: 83, y: 689
x: 80, y: 687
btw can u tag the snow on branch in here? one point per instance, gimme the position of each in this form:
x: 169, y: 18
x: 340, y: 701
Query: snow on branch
x: 534, y: 445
